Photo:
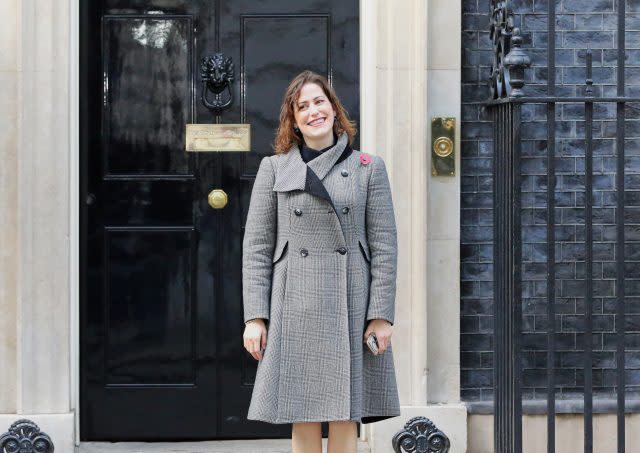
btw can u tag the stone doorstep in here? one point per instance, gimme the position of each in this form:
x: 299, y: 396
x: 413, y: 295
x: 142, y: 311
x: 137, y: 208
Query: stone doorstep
x: 222, y: 446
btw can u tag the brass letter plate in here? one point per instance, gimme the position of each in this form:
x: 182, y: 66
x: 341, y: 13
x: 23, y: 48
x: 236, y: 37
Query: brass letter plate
x: 218, y: 137
x: 443, y: 156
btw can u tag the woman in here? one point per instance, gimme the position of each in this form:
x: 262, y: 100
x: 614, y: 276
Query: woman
x: 319, y: 276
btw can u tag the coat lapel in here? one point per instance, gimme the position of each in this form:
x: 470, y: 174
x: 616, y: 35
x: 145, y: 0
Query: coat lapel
x: 294, y: 174
x: 315, y: 187
x: 291, y: 172
x: 325, y: 161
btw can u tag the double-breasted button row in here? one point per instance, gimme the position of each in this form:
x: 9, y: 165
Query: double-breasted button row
x: 304, y: 252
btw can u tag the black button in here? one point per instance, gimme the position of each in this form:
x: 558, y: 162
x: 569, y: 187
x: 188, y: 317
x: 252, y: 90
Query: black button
x: 298, y: 211
x: 345, y: 210
x: 344, y: 173
x: 342, y: 250
x: 304, y: 252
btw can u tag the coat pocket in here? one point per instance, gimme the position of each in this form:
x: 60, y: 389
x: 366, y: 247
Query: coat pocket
x: 279, y: 251
x: 365, y: 250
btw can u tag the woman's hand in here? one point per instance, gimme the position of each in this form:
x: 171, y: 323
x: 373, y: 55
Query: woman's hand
x: 255, y: 337
x: 382, y: 330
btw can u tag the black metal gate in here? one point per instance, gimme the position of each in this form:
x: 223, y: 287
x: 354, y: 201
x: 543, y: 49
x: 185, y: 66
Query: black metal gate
x: 508, y: 99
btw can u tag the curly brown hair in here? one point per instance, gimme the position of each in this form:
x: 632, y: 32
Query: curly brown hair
x: 286, y: 137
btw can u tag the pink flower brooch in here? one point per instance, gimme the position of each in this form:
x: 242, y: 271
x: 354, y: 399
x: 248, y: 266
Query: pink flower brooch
x: 365, y: 159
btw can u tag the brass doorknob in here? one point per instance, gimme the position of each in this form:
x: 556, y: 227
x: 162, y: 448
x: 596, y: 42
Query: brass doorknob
x: 218, y: 199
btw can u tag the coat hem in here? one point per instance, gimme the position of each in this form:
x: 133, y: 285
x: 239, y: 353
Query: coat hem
x: 377, y: 418
x: 304, y: 420
x: 364, y: 420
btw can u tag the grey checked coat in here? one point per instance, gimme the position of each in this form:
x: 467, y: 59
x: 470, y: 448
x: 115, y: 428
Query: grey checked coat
x: 319, y: 260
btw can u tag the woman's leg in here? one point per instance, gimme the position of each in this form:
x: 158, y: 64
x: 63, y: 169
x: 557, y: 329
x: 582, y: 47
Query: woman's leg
x: 306, y: 437
x: 343, y: 437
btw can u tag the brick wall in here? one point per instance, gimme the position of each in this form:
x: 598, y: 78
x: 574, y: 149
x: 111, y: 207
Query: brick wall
x: 578, y: 24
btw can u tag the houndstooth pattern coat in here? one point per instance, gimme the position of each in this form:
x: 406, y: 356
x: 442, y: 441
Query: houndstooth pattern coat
x: 319, y: 260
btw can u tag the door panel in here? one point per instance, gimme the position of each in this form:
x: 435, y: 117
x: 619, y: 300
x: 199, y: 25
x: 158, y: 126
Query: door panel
x: 161, y: 295
x: 147, y: 93
x: 149, y: 306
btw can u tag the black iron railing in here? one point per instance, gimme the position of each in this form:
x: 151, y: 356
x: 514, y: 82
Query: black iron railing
x: 508, y: 98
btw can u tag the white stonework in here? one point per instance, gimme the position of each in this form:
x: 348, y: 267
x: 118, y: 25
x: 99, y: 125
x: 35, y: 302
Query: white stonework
x: 43, y: 209
x: 35, y: 273
x: 406, y: 80
x: 9, y: 99
x: 569, y: 433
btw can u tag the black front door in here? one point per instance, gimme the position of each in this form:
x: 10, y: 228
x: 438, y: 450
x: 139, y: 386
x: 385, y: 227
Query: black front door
x: 161, y: 299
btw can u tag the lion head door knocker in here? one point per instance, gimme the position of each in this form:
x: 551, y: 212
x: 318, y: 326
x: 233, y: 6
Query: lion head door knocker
x: 217, y: 74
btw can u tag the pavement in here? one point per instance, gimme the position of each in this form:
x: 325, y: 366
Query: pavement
x: 222, y: 446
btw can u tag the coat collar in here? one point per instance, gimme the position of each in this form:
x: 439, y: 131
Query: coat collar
x: 292, y: 171
x: 325, y: 161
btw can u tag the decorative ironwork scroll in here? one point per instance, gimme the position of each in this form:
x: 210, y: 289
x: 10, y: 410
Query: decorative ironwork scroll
x: 420, y: 435
x: 24, y: 436
x: 509, y: 60
x: 217, y: 73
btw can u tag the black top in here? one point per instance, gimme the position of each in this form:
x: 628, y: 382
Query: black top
x: 308, y: 153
